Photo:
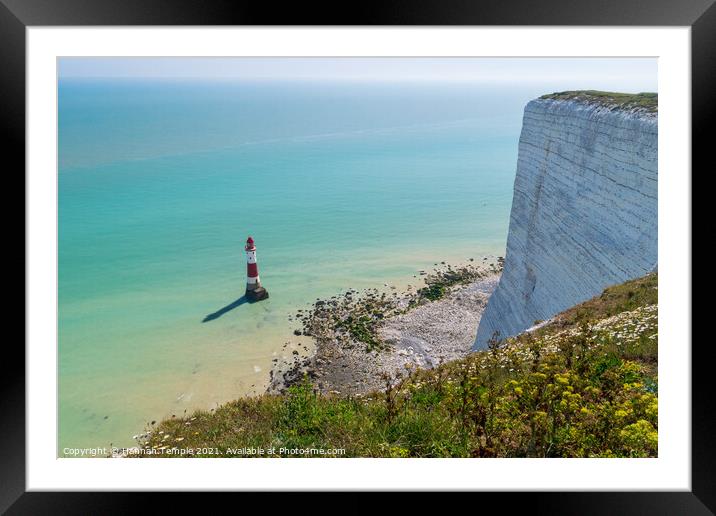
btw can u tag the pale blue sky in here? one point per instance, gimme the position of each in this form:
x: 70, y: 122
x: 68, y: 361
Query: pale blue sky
x: 623, y: 74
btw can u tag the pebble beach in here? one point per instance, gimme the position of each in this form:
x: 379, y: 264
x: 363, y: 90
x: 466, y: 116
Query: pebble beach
x: 412, y: 332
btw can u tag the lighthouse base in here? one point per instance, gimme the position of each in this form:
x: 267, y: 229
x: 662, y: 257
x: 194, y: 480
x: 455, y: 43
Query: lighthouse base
x: 257, y: 294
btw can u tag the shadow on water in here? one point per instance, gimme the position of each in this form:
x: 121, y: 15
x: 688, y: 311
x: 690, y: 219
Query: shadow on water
x: 227, y: 308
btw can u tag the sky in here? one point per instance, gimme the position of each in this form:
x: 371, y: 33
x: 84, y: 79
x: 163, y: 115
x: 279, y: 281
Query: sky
x: 619, y: 74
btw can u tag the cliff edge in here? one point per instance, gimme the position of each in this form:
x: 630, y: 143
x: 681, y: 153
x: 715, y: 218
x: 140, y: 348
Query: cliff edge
x: 584, y: 209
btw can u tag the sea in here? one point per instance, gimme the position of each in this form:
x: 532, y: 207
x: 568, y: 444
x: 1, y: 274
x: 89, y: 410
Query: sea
x: 343, y: 185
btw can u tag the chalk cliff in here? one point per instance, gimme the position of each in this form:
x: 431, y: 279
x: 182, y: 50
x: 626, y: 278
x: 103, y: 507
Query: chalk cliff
x: 584, y: 209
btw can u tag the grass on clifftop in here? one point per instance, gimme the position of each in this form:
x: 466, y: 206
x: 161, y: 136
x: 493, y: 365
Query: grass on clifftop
x: 584, y: 385
x: 648, y: 102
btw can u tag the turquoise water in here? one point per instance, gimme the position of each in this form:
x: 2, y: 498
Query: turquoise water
x: 341, y: 185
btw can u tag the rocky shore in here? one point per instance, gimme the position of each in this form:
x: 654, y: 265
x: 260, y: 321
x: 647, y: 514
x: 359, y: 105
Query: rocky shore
x: 363, y: 338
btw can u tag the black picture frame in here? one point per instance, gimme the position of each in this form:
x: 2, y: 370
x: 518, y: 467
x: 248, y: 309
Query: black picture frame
x: 17, y: 15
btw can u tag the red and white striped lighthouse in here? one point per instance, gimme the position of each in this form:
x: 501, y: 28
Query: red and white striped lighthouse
x: 254, y: 290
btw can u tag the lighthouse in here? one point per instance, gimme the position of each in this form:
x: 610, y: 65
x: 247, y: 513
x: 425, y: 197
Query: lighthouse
x: 254, y: 290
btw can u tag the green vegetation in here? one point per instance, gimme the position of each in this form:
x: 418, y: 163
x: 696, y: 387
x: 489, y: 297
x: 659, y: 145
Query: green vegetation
x: 364, y: 329
x: 352, y: 319
x: 584, y: 385
x: 648, y: 102
x: 438, y: 284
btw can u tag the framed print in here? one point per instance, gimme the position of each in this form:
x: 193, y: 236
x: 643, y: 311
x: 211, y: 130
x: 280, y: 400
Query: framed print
x: 426, y: 248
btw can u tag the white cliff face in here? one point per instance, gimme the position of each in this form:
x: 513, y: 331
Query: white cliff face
x: 584, y: 211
